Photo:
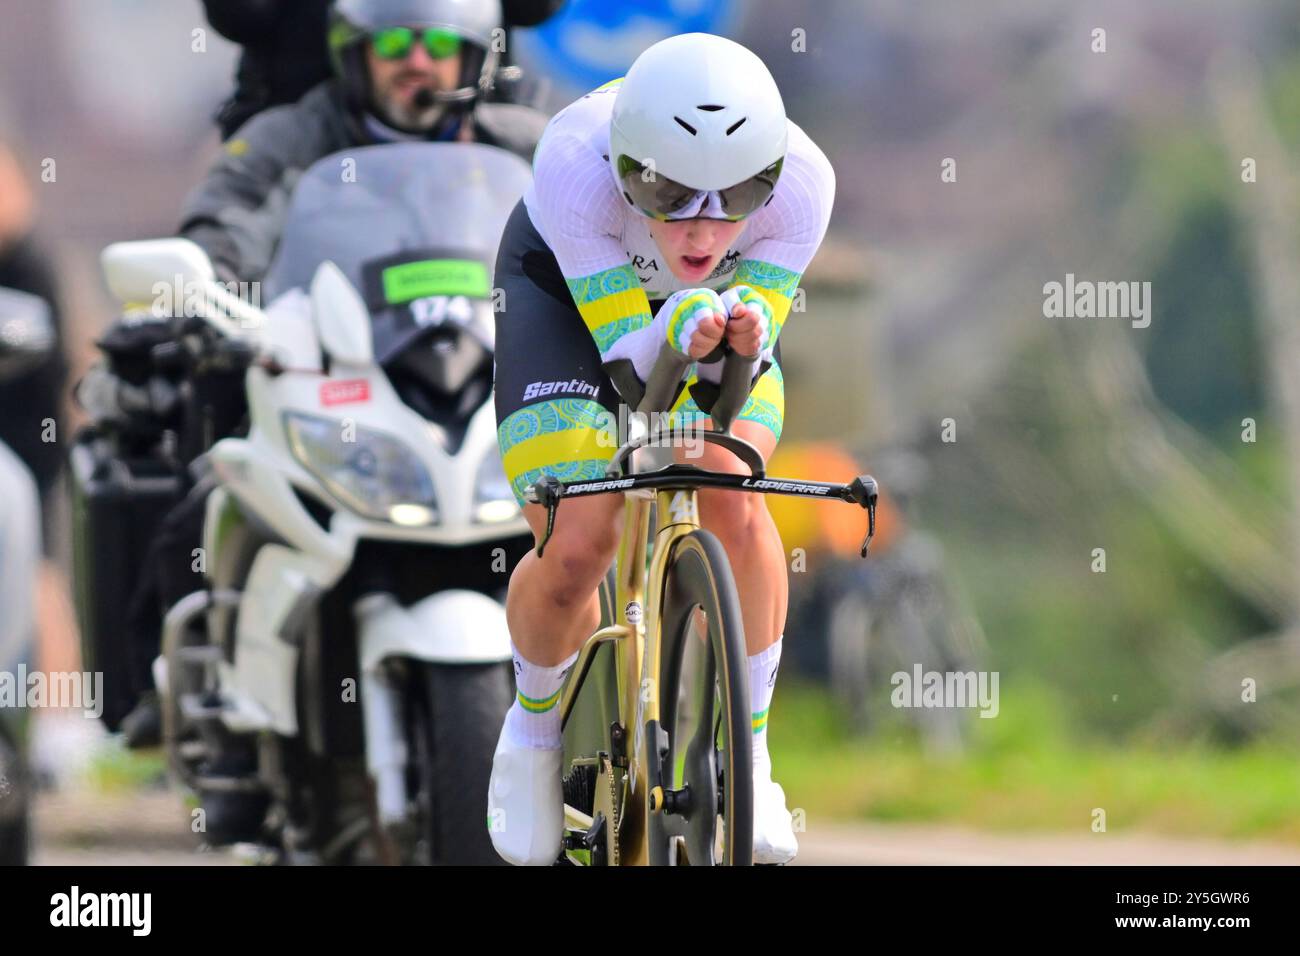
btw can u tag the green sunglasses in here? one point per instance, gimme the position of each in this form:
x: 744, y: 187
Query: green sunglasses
x: 396, y: 43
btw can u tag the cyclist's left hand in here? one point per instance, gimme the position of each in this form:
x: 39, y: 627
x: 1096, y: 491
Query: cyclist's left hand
x: 749, y: 320
x: 744, y: 330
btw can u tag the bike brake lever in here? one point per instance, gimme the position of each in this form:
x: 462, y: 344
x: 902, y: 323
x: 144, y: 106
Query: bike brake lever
x: 865, y: 492
x: 871, y: 528
x: 546, y: 491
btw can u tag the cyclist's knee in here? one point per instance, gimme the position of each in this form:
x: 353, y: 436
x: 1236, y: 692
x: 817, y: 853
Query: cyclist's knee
x: 735, y: 517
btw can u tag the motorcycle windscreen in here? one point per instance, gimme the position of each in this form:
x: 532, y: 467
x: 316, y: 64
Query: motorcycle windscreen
x: 432, y: 212
x: 431, y: 309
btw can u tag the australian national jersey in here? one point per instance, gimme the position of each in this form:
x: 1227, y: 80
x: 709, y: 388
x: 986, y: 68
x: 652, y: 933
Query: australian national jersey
x: 603, y: 245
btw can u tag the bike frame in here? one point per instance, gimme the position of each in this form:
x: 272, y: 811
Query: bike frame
x: 637, y: 596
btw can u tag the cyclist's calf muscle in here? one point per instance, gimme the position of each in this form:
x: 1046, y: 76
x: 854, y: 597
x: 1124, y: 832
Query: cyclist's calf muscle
x: 553, y: 602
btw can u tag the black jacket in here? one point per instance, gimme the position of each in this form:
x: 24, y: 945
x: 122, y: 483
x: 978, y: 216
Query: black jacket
x: 237, y: 212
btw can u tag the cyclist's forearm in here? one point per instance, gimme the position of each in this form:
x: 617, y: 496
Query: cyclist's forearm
x: 776, y: 285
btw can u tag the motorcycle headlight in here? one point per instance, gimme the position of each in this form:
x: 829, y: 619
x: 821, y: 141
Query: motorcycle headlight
x: 374, y: 474
x: 493, y: 498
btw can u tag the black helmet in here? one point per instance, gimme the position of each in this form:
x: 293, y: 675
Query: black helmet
x: 478, y: 22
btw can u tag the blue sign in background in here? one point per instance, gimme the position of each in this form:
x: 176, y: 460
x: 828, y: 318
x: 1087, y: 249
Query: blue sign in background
x: 590, y: 42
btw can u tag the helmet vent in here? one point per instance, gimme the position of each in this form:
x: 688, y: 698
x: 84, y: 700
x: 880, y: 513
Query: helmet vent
x: 685, y: 125
x: 736, y: 125
x: 710, y: 107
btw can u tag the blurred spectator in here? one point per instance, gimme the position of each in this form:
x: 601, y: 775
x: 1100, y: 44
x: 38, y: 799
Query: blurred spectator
x: 33, y: 399
x: 31, y: 422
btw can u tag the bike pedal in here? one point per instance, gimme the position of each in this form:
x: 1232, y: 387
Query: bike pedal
x: 199, y: 654
x: 217, y: 784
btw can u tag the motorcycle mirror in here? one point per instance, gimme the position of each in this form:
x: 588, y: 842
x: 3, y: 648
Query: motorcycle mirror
x: 26, y: 332
x: 135, y: 271
x: 341, y: 317
x: 171, y: 277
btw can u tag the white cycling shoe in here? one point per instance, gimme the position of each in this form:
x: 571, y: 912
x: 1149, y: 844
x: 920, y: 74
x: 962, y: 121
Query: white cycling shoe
x: 774, y: 840
x: 526, y: 803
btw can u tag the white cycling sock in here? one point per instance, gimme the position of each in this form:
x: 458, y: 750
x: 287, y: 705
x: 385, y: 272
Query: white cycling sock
x: 762, y: 681
x: 534, y: 718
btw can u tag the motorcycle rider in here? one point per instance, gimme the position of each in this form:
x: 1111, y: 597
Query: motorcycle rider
x: 405, y: 70
x: 285, y: 52
x: 391, y: 84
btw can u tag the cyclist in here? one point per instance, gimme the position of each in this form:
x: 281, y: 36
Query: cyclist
x: 677, y: 205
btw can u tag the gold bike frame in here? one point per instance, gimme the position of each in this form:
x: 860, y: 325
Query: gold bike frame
x: 638, y: 596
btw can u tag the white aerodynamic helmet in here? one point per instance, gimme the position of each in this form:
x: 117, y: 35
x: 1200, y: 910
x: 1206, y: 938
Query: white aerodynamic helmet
x: 698, y: 130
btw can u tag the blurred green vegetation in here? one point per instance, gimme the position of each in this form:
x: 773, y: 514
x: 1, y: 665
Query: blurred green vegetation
x: 1027, y: 769
x: 115, y: 769
x: 1021, y: 507
x: 1203, y: 355
x: 1105, y: 700
x: 1143, y: 630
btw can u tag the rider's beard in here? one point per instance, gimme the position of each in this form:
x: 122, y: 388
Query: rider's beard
x: 419, y: 115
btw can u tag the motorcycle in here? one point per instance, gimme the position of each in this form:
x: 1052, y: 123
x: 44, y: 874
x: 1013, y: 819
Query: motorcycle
x: 26, y: 337
x: 357, y: 540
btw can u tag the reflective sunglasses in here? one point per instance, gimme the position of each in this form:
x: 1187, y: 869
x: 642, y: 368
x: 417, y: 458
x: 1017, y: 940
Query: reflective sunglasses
x: 396, y: 43
x: 659, y: 197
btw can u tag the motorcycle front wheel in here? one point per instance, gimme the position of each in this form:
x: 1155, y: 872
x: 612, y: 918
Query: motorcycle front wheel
x: 455, y: 730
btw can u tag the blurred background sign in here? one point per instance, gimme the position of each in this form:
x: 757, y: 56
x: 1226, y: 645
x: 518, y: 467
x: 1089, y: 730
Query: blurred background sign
x: 593, y: 41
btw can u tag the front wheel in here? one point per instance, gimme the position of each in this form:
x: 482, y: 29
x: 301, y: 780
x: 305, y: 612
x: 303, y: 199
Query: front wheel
x: 456, y: 734
x: 705, y: 767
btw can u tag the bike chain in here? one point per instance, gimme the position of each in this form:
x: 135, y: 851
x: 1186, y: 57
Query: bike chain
x: 616, y: 810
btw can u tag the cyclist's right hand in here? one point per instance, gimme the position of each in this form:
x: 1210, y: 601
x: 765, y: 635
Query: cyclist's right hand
x: 693, y: 321
x: 698, y: 320
x: 707, y: 335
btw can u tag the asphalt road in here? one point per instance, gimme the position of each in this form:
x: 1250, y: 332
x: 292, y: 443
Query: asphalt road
x: 152, y: 828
